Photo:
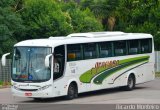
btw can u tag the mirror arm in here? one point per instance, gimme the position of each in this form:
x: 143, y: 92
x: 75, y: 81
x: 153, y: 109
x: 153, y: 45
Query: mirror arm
x: 47, y: 60
x: 4, y: 59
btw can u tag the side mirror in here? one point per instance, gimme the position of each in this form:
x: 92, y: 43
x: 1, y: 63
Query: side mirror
x: 4, y: 59
x: 47, y: 61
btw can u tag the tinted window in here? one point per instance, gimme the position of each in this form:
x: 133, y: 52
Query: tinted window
x: 89, y: 51
x: 119, y: 48
x: 74, y: 52
x: 105, y: 49
x: 133, y: 47
x: 146, y: 45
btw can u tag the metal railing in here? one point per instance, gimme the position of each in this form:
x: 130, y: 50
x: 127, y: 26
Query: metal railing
x: 5, y: 72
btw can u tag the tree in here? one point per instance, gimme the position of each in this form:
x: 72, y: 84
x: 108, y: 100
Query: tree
x: 44, y: 18
x: 10, y: 25
x: 81, y: 20
x: 54, y: 18
x: 104, y: 10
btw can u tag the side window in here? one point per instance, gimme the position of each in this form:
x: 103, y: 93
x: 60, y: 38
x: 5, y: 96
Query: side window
x: 133, y: 47
x: 89, y: 50
x: 74, y: 52
x: 119, y: 48
x: 146, y: 45
x: 105, y: 49
x: 58, y: 61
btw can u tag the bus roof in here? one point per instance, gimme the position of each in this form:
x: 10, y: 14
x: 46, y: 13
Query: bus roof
x: 83, y: 38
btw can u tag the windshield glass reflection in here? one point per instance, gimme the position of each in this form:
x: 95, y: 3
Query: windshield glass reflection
x: 28, y: 64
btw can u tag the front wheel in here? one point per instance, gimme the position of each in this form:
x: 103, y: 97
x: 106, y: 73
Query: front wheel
x: 131, y: 83
x: 72, y: 92
x: 38, y: 99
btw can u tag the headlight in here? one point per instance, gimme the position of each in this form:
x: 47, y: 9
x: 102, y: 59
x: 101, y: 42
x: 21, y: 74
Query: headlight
x: 44, y: 87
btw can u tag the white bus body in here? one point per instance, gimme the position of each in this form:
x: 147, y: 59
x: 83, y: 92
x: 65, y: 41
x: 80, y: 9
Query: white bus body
x: 87, y: 62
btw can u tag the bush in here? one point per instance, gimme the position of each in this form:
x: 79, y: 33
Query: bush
x: 1, y: 83
x: 4, y: 83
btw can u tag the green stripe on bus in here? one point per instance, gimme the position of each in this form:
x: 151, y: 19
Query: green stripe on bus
x: 99, y: 79
x: 90, y: 74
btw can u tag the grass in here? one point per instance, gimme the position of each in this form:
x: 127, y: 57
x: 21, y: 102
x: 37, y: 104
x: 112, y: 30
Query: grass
x: 158, y: 74
x: 4, y: 84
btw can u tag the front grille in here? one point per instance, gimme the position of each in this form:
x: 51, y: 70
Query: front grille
x: 28, y: 89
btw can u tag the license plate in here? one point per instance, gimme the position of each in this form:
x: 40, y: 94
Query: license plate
x: 28, y: 94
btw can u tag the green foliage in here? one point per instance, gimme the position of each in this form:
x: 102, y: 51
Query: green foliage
x: 157, y: 40
x: 157, y: 74
x: 10, y: 25
x: 6, y: 3
x: 84, y: 21
x: 50, y: 18
x: 104, y: 10
x: 28, y: 19
x: 140, y: 16
x: 8, y: 45
x: 44, y: 18
x: 1, y: 82
x: 128, y: 15
x: 147, y: 27
x: 81, y: 20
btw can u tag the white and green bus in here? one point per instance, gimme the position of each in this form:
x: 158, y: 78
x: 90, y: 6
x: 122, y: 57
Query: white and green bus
x: 81, y: 62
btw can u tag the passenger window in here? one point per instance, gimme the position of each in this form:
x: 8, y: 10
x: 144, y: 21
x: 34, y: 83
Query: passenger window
x: 119, y: 48
x: 133, y: 47
x: 145, y: 45
x: 89, y: 51
x: 74, y: 52
x: 105, y: 49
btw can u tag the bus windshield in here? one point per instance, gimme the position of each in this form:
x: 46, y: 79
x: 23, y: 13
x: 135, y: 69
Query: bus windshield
x: 29, y: 64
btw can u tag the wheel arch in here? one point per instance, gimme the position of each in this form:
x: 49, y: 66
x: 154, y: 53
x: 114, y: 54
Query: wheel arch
x: 73, y: 81
x: 132, y: 73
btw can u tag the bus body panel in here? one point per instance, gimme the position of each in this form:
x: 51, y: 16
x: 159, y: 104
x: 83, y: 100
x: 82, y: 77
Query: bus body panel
x: 90, y: 74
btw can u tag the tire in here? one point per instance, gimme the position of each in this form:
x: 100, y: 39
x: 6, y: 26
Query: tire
x: 38, y: 99
x: 72, y: 92
x: 130, y: 83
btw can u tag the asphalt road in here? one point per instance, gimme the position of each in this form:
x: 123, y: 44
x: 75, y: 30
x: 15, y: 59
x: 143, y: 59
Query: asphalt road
x: 147, y: 93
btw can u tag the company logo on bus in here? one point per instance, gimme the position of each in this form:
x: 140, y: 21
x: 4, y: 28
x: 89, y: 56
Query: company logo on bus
x: 107, y: 64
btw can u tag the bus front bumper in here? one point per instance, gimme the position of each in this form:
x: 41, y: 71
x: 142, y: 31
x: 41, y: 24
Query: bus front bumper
x: 34, y: 94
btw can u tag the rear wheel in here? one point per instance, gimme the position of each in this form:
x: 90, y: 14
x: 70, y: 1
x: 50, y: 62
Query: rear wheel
x: 131, y: 83
x: 72, y: 92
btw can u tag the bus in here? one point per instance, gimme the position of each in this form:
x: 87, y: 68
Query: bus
x: 81, y: 62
